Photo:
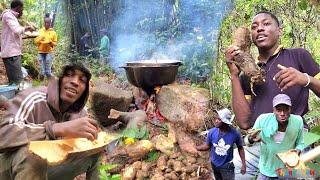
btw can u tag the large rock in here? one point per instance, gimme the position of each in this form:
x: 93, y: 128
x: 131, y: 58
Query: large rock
x: 105, y: 97
x: 185, y: 104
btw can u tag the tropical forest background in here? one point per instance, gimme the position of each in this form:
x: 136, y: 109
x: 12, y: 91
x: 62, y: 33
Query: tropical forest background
x: 196, y: 32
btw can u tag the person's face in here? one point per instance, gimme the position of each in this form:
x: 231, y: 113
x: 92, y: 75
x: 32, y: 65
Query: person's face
x: 217, y: 122
x: 72, y: 86
x: 19, y: 10
x: 265, y: 32
x: 47, y: 23
x: 282, y: 112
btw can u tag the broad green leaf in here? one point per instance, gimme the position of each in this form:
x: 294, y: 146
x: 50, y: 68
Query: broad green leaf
x: 115, y: 177
x: 316, y: 130
x: 314, y: 166
x: 152, y: 156
x: 310, y: 138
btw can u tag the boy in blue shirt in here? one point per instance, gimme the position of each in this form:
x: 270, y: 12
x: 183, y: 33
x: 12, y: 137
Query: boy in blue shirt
x: 220, y: 141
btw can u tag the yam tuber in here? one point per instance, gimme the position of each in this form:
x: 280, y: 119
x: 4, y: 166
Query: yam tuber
x: 29, y: 34
x: 244, y: 59
x: 162, y: 162
x: 129, y: 173
x: 290, y: 158
x: 139, y: 149
x: 57, y: 151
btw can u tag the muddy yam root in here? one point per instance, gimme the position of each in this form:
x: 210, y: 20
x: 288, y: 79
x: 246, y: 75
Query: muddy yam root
x: 244, y: 59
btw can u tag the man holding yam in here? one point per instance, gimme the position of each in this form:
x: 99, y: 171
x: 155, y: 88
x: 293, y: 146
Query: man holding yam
x: 48, y: 113
x: 287, y: 71
x: 281, y: 131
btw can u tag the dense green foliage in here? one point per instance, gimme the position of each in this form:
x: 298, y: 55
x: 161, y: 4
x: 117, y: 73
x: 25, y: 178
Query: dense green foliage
x: 168, y: 27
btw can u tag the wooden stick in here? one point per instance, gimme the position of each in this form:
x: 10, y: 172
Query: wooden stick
x: 310, y: 155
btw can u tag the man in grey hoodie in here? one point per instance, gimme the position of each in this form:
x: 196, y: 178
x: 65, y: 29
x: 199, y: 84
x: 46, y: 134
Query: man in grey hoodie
x: 46, y: 113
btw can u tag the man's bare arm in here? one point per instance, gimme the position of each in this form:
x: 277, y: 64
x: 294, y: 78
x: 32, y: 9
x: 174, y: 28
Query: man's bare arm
x: 243, y: 160
x: 203, y: 147
x: 240, y: 105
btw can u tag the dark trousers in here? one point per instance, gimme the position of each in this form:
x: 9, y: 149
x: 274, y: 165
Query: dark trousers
x: 13, y: 69
x: 226, y: 172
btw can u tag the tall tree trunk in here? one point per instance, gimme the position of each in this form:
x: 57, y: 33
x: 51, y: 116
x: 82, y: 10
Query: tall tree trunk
x: 71, y: 10
x: 54, y: 13
x: 88, y: 17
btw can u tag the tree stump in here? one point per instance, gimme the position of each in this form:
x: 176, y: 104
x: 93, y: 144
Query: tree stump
x: 105, y: 97
x: 185, y: 104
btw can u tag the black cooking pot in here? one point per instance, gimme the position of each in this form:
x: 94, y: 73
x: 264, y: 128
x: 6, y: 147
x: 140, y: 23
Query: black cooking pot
x: 148, y: 75
x: 152, y: 63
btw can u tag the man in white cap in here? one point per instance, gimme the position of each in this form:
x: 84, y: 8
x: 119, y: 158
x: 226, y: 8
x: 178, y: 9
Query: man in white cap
x: 280, y: 131
x: 220, y: 140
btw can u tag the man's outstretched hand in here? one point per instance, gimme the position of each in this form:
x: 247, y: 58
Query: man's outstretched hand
x: 254, y: 136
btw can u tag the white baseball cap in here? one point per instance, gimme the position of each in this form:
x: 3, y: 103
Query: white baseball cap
x: 281, y: 99
x: 225, y: 115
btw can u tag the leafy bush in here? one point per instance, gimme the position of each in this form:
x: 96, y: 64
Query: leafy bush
x: 105, y: 175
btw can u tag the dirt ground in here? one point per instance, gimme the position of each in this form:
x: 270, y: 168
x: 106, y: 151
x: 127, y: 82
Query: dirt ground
x: 3, y: 74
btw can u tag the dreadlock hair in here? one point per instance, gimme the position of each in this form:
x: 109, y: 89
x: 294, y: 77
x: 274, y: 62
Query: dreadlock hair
x: 83, y: 98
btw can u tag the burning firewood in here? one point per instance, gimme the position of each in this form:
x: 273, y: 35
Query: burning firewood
x: 244, y: 59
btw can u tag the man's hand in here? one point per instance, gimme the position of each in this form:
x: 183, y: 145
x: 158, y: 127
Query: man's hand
x: 78, y: 128
x: 254, y: 136
x: 230, y: 53
x: 203, y: 147
x: 288, y: 77
x: 29, y: 28
x: 295, y: 151
x: 243, y: 169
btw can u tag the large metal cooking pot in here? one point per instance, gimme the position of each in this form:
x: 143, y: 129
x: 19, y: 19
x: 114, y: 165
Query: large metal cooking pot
x: 148, y: 75
x: 152, y: 63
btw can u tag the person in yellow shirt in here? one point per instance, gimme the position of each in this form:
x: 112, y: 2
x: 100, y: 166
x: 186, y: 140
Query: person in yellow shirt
x: 46, y: 41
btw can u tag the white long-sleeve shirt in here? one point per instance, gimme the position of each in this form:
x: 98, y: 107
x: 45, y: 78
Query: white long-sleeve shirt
x: 11, y: 36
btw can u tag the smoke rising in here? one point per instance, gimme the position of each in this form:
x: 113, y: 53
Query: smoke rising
x: 184, y: 30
